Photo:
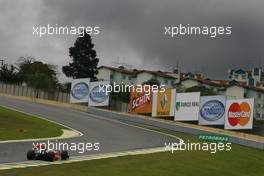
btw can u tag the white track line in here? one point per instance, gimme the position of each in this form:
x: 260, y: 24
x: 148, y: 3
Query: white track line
x: 26, y: 164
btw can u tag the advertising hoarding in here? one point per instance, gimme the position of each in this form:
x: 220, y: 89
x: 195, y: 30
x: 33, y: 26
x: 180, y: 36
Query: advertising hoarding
x: 98, y: 95
x: 187, y: 106
x: 163, y: 104
x: 212, y: 110
x: 239, y: 114
x: 140, y: 101
x: 79, y: 90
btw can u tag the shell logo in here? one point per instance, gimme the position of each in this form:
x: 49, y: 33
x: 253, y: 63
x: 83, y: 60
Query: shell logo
x: 239, y: 114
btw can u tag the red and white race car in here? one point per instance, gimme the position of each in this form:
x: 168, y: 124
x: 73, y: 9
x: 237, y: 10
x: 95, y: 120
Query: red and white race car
x: 41, y: 153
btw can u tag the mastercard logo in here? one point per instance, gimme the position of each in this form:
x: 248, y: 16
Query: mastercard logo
x: 239, y: 114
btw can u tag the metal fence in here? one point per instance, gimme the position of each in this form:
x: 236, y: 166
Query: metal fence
x: 115, y: 102
x: 20, y: 90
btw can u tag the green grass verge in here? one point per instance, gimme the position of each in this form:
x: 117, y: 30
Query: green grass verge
x: 16, y: 125
x: 239, y: 161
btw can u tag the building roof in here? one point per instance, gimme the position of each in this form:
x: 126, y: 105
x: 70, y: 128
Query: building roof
x: 226, y: 83
x: 190, y: 74
x: 157, y: 73
x: 205, y: 81
x: 249, y: 87
x: 240, y: 71
x: 135, y: 71
x: 120, y: 69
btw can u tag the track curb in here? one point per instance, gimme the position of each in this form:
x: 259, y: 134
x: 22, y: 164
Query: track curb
x: 26, y: 164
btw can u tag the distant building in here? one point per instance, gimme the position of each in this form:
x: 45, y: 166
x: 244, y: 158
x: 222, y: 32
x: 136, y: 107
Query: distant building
x: 192, y: 75
x: 118, y: 75
x: 254, y: 77
x: 241, y: 83
x: 163, y: 78
x: 137, y: 77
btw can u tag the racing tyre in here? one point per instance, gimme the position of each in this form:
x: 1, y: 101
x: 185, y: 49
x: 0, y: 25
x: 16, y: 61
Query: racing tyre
x: 64, y: 155
x: 49, y: 156
x: 31, y: 155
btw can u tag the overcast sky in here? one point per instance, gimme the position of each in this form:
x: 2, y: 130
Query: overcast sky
x: 133, y: 32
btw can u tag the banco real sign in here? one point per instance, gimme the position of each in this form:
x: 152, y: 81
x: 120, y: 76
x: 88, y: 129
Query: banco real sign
x: 187, y: 106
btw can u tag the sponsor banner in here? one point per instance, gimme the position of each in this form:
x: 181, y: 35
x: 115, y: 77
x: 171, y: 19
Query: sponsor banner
x: 212, y: 110
x: 239, y: 114
x: 187, y: 106
x: 163, y: 103
x: 213, y: 138
x: 98, y: 95
x: 79, y: 90
x: 140, y: 102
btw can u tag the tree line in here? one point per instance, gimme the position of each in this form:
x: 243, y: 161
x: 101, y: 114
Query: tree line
x: 34, y: 73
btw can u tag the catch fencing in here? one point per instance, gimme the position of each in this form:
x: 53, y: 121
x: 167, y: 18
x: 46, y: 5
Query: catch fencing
x: 26, y: 91
x: 18, y: 90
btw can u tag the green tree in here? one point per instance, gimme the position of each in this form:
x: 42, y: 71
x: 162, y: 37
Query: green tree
x: 37, y: 75
x: 8, y: 74
x: 65, y: 87
x: 204, y: 90
x: 152, y: 82
x: 85, y: 62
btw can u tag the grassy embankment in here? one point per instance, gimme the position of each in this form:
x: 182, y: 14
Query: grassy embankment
x: 15, y: 125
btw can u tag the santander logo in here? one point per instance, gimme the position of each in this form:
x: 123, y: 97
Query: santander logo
x: 239, y: 114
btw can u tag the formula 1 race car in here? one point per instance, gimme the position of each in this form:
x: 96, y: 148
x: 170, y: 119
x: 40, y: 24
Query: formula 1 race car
x: 41, y: 153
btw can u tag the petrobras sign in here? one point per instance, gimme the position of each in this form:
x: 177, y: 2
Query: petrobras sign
x: 212, y: 110
x: 187, y: 106
x: 79, y: 90
x: 239, y: 114
x: 98, y: 95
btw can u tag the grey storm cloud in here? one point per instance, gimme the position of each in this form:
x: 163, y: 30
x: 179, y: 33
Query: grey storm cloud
x: 133, y: 32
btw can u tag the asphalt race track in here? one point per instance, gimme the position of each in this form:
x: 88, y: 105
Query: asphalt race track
x: 112, y: 136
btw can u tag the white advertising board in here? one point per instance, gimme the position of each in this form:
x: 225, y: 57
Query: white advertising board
x: 98, y: 95
x: 79, y: 90
x: 212, y: 110
x: 187, y: 106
